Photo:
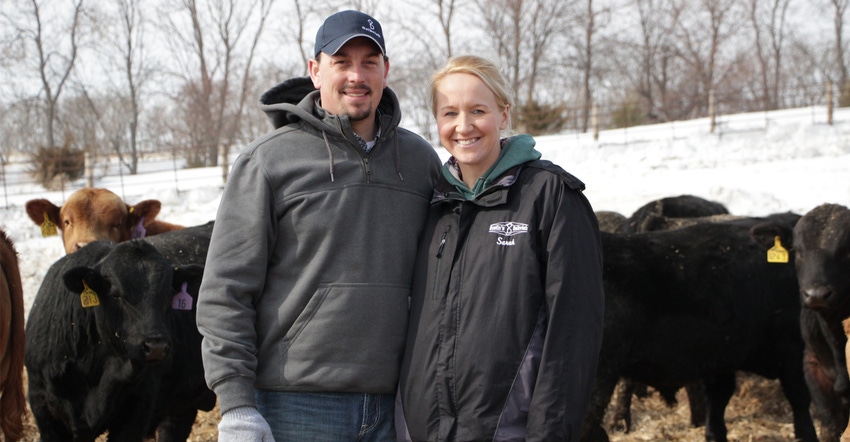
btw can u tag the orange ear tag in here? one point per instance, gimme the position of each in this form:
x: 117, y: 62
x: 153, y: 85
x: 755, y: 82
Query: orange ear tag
x: 47, y: 227
x: 777, y: 253
x: 88, y: 297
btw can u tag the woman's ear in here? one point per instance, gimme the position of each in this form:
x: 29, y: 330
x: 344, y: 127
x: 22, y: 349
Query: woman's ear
x: 506, y: 117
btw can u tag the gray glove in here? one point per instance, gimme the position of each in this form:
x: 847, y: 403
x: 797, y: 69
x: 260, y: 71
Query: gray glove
x: 243, y: 424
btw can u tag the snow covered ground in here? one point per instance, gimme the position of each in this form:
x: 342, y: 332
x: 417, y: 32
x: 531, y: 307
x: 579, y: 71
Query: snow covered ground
x: 755, y: 164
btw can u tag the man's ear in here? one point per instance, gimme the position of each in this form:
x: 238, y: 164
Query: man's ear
x: 386, y: 72
x: 315, y: 74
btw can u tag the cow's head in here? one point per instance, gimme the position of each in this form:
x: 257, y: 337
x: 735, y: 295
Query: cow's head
x: 822, y: 258
x: 130, y: 291
x: 92, y: 214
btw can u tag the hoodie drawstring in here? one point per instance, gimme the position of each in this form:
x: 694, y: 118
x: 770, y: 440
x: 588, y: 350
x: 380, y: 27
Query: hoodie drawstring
x: 330, y: 155
x: 397, y: 155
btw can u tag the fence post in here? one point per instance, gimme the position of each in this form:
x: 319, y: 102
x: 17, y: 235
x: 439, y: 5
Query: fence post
x: 594, y: 117
x: 222, y: 151
x: 829, y: 102
x: 711, y: 113
x: 5, y: 191
x: 89, y: 167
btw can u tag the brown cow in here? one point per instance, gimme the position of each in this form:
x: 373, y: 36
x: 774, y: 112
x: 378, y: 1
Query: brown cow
x: 845, y: 437
x: 12, y: 401
x: 92, y: 214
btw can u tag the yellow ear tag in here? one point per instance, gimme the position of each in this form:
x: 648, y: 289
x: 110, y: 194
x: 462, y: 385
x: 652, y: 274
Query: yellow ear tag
x: 47, y: 227
x: 88, y: 297
x: 777, y: 253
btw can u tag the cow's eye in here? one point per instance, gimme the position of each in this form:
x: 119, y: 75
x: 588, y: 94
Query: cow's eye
x: 67, y: 222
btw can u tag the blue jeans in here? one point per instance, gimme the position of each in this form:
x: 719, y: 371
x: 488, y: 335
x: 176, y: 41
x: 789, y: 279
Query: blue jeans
x: 328, y: 417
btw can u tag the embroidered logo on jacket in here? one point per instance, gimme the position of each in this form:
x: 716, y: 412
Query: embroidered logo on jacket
x: 508, y: 229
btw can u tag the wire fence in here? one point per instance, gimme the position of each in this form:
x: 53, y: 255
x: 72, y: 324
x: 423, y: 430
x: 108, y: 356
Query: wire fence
x: 19, y: 174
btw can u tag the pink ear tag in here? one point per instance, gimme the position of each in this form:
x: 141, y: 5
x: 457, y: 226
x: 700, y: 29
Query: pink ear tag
x: 139, y: 230
x: 182, y: 300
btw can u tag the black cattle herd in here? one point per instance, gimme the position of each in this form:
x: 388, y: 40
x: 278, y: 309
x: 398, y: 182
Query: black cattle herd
x: 693, y: 295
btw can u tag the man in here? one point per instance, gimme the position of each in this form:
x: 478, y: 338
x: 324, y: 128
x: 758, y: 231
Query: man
x: 304, y: 301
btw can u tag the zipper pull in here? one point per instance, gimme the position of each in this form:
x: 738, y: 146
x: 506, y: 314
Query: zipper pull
x: 442, y: 244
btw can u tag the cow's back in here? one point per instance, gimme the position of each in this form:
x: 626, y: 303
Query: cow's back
x: 185, y: 246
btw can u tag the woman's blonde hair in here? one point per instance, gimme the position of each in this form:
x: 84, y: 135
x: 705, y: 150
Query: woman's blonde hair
x: 484, y: 69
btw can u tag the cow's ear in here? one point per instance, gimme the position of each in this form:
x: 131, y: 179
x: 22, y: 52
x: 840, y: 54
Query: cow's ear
x: 77, y: 278
x: 147, y: 209
x: 37, y: 209
x: 765, y: 233
x: 190, y: 274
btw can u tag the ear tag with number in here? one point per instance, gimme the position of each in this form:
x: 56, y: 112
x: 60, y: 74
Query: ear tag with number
x: 777, y: 253
x: 182, y: 300
x: 47, y: 227
x: 88, y: 297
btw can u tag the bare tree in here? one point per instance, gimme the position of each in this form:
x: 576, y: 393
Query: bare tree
x: 590, y: 19
x: 839, y: 9
x: 656, y: 56
x: 50, y: 40
x: 703, y: 29
x: 218, y: 59
x: 523, y: 32
x: 767, y: 18
x: 123, y: 33
x: 423, y: 52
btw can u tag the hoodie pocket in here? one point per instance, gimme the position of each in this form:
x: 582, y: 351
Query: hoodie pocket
x: 349, y: 335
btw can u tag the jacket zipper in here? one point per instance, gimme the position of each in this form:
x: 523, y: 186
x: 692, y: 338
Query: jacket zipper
x: 439, y: 257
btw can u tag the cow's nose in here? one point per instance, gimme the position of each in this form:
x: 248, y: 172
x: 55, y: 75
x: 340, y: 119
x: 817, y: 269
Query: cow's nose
x: 155, y: 349
x: 817, y: 296
x: 79, y: 245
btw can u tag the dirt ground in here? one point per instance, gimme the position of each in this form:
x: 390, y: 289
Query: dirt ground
x: 757, y: 413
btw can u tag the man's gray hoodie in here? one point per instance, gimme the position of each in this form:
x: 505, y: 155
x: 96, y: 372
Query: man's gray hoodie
x: 309, y: 269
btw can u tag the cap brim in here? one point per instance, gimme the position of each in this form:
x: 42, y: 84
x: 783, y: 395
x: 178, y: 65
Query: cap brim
x: 335, y: 44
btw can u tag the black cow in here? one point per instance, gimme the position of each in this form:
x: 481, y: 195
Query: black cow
x: 821, y: 248
x: 682, y: 206
x: 611, y: 222
x: 698, y: 303
x: 106, y: 351
x: 662, y: 214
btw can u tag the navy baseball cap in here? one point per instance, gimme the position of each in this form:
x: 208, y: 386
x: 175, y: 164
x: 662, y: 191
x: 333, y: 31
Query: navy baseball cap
x: 341, y: 27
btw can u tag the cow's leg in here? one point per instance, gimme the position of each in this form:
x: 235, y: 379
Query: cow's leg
x: 819, y: 379
x: 718, y: 390
x: 176, y: 428
x: 696, y: 402
x: 50, y: 428
x: 793, y: 382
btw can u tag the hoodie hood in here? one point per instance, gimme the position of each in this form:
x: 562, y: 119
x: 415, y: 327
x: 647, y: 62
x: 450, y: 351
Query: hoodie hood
x: 297, y: 100
x: 516, y: 150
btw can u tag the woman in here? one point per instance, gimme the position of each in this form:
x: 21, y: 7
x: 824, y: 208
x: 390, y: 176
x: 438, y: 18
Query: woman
x: 507, y: 304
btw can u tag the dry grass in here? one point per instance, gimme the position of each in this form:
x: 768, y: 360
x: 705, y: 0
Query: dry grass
x: 757, y: 413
